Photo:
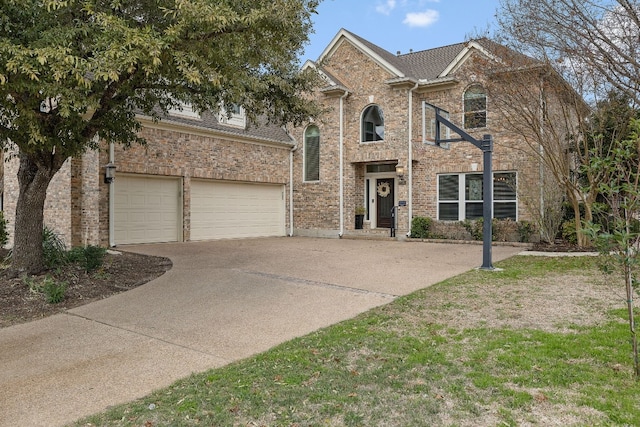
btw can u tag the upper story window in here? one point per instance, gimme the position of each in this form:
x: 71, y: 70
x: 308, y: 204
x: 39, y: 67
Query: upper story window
x: 312, y: 153
x: 235, y: 116
x: 372, y: 124
x: 475, y: 107
x: 184, y: 110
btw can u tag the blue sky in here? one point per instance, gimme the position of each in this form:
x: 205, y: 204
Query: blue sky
x: 401, y: 24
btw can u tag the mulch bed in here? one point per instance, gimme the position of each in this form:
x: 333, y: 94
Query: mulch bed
x: 20, y: 301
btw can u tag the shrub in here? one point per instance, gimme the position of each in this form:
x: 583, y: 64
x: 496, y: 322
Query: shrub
x: 93, y: 257
x: 421, y: 227
x: 525, y: 231
x: 90, y: 257
x: 53, y: 291
x: 474, y: 227
x: 569, y: 234
x: 4, y: 235
x: 53, y: 248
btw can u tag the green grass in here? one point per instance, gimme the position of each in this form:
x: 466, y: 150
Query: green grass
x: 393, y: 366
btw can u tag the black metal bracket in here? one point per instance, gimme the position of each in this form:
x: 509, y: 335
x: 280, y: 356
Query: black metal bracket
x: 486, y: 145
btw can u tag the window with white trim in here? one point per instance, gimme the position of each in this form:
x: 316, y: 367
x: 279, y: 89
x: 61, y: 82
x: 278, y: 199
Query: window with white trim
x: 475, y: 107
x: 460, y: 196
x: 184, y: 110
x: 312, y: 154
x: 235, y: 116
x: 372, y: 124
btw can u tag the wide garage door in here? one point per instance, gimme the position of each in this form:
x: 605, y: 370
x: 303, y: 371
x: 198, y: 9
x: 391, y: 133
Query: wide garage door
x: 147, y: 209
x: 222, y: 210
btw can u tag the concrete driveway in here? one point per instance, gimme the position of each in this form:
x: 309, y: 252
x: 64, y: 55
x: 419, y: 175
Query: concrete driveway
x: 222, y: 301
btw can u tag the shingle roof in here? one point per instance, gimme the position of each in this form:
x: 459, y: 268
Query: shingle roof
x: 262, y: 130
x: 387, y: 56
x: 427, y: 64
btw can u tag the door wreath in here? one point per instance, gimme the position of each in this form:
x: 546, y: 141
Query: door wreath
x: 384, y: 189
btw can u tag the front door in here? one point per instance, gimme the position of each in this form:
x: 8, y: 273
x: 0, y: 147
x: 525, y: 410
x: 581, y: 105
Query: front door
x: 385, y: 202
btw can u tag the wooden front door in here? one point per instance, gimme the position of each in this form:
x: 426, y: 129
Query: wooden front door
x: 384, y: 201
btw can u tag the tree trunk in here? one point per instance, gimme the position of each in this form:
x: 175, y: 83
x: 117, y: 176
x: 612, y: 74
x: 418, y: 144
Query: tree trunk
x: 33, y: 179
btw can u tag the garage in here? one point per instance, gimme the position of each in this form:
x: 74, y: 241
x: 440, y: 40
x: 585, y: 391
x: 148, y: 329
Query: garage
x: 147, y: 209
x: 222, y: 210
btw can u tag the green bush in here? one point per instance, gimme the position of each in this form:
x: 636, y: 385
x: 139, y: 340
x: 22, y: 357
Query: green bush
x: 525, y: 231
x: 93, y: 257
x: 421, y: 227
x: 569, y: 233
x: 4, y: 235
x: 53, y: 248
x: 53, y: 291
x: 90, y: 257
x: 474, y: 227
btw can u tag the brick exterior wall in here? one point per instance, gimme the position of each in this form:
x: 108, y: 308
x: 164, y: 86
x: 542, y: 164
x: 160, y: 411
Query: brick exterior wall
x: 57, y: 206
x: 185, y: 153
x: 316, y: 203
x: 77, y: 204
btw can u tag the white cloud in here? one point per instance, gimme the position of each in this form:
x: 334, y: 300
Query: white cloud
x: 386, y: 7
x: 421, y: 19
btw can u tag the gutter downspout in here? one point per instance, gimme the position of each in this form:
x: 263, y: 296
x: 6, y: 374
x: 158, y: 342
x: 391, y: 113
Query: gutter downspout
x: 294, y: 148
x: 112, y: 200
x: 341, y: 233
x: 410, y: 159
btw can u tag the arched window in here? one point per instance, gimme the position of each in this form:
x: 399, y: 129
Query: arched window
x: 372, y: 124
x: 475, y: 108
x: 312, y: 153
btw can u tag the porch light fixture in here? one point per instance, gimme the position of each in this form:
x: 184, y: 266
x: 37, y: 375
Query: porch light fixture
x: 109, y: 173
x: 400, y: 173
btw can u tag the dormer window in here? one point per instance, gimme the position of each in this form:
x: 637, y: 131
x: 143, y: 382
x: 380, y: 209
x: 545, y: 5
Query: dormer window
x: 475, y: 107
x: 235, y: 116
x: 372, y: 124
x: 184, y: 110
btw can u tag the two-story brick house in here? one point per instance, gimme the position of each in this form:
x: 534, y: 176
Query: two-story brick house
x: 374, y: 146
x: 211, y: 176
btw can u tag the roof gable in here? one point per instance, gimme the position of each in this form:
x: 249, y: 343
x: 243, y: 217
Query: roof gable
x: 382, y: 57
x: 427, y: 64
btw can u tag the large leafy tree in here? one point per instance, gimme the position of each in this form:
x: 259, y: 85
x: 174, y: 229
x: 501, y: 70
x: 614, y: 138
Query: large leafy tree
x: 76, y: 72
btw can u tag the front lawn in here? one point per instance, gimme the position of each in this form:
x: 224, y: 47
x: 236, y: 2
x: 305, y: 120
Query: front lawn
x: 543, y: 342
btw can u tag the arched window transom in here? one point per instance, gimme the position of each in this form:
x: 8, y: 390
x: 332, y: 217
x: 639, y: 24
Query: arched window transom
x: 372, y: 124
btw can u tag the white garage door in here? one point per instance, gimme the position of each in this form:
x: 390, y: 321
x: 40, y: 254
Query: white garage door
x: 147, y: 210
x: 222, y: 210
